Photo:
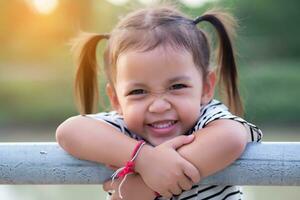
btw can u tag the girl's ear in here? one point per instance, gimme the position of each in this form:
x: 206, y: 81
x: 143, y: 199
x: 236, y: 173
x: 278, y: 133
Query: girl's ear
x: 208, y: 89
x: 113, y: 98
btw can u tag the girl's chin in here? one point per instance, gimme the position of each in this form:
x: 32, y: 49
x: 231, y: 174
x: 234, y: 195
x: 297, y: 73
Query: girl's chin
x: 156, y: 143
x: 160, y: 140
x: 157, y: 137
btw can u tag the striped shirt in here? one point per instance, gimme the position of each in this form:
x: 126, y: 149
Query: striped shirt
x: 214, y: 110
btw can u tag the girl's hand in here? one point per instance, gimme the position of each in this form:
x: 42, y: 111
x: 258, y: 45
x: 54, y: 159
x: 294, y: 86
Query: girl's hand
x: 133, y: 188
x: 164, y: 170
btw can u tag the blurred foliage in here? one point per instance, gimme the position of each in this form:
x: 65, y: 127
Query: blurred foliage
x: 36, y: 68
x: 270, y: 29
x: 271, y: 92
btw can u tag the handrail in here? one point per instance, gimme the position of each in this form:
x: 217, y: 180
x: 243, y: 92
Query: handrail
x: 267, y: 163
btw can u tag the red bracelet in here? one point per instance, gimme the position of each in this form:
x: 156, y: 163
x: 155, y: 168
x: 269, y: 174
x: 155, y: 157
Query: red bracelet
x: 129, y: 167
x: 157, y: 194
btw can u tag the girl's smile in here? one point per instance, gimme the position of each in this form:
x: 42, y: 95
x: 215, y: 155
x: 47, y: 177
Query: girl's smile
x: 162, y: 128
x: 158, y: 92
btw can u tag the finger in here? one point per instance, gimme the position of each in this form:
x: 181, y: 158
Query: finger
x: 185, y: 183
x: 192, y: 172
x: 107, y: 186
x: 176, y: 190
x: 166, y: 195
x: 179, y: 141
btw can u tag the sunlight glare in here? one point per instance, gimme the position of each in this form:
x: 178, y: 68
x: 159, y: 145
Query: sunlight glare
x: 148, y: 2
x: 44, y: 6
x: 195, y: 3
x: 189, y: 3
x: 117, y: 2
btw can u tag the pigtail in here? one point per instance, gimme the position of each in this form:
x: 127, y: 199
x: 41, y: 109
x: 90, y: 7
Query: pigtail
x: 86, y: 82
x: 227, y: 70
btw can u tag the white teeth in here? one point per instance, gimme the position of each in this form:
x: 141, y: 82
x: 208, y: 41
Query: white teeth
x: 163, y: 125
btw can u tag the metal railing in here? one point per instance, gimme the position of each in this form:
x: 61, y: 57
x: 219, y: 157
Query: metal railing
x: 267, y: 163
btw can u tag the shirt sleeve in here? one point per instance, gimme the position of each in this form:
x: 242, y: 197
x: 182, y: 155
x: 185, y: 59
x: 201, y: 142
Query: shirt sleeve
x: 216, y: 110
x: 115, y: 120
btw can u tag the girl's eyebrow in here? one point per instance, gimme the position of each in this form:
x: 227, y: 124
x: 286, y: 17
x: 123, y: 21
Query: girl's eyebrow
x: 172, y: 80
x: 179, y: 78
x: 135, y: 84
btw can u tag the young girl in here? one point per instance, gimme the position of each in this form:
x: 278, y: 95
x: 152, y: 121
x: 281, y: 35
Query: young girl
x: 161, y: 86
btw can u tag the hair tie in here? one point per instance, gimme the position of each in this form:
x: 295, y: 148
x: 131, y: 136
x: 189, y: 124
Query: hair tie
x: 198, y: 19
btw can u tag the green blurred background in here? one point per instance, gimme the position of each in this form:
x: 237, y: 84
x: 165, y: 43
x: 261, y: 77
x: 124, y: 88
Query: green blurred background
x: 37, y: 71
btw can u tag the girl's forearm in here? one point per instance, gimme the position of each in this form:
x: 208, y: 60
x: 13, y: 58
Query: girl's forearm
x: 216, y: 146
x: 93, y: 140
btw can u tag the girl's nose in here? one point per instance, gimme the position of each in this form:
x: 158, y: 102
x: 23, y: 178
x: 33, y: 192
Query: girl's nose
x: 159, y: 105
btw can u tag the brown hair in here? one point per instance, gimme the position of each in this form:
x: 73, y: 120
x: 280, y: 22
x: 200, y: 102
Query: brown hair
x: 146, y: 29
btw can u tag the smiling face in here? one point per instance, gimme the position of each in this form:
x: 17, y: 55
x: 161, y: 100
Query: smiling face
x: 159, y: 92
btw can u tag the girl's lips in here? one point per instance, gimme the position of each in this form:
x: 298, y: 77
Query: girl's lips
x: 162, y: 128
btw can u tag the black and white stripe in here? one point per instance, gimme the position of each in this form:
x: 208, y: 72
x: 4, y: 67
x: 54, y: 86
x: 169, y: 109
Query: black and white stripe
x: 215, y: 110
x: 213, y: 192
x: 115, y: 120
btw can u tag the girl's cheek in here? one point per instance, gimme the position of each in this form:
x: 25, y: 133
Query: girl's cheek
x: 134, y: 116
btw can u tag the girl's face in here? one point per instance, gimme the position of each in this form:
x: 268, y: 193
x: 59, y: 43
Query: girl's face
x: 159, y: 92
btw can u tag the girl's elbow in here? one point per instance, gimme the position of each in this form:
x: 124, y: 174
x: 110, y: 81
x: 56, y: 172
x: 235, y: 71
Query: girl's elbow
x: 63, y: 133
x: 60, y: 134
x: 239, y: 143
x: 236, y: 137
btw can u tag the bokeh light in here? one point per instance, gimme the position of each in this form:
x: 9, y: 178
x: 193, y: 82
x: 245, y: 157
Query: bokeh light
x: 44, y: 6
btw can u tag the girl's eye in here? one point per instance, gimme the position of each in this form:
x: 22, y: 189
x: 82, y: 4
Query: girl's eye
x: 178, y: 86
x: 137, y: 92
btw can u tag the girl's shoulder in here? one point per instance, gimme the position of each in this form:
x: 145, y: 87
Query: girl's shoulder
x: 114, y: 119
x: 215, y: 110
x: 111, y: 115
